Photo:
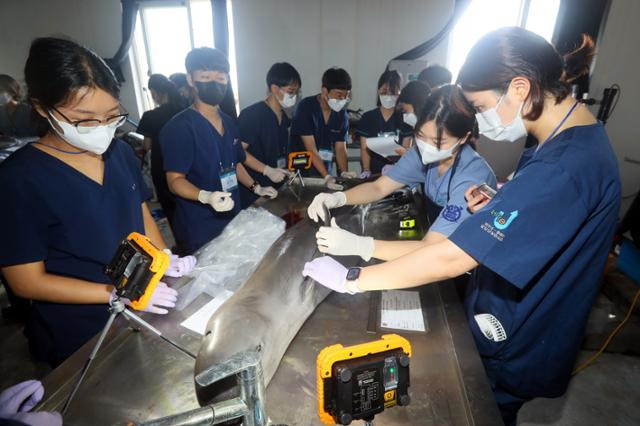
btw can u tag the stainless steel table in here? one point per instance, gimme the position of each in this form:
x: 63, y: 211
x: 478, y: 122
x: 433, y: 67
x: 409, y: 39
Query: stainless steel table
x: 137, y: 377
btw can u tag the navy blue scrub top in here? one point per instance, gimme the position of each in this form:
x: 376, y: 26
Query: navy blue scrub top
x: 309, y: 121
x: 267, y: 139
x: 446, y: 190
x: 372, y: 125
x: 191, y: 145
x: 542, y: 243
x: 53, y: 213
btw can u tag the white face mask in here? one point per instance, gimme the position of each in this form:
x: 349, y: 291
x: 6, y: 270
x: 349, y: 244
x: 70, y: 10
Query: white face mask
x: 96, y: 140
x: 410, y: 119
x: 388, y: 101
x: 288, y: 100
x: 490, y: 125
x: 4, y: 99
x: 337, y: 104
x: 431, y: 154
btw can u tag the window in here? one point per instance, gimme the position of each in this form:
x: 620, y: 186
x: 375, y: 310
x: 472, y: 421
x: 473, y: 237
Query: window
x: 483, y: 16
x: 165, y: 32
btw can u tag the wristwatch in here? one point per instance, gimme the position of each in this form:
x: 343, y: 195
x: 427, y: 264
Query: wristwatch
x: 253, y: 186
x: 351, y: 284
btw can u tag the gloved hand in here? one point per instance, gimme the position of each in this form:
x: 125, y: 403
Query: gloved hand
x: 348, y: 175
x: 276, y: 175
x: 268, y: 191
x: 386, y: 168
x: 16, y: 401
x: 330, y: 183
x: 179, y: 266
x: 21, y: 398
x: 328, y: 200
x: 162, y: 296
x: 39, y: 418
x: 335, y: 240
x: 328, y: 272
x: 366, y: 174
x: 220, y: 201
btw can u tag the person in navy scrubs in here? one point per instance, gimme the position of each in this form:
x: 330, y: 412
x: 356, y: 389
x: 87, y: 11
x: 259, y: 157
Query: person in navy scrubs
x: 384, y: 120
x: 264, y: 129
x: 321, y: 125
x: 539, y: 246
x: 70, y: 199
x: 203, y: 156
x: 442, y: 161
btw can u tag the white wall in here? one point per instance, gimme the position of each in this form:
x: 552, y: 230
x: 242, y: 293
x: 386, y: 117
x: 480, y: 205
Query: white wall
x: 313, y: 35
x: 618, y: 61
x: 93, y: 23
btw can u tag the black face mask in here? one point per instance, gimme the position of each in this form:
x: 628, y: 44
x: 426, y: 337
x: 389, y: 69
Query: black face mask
x: 211, y: 92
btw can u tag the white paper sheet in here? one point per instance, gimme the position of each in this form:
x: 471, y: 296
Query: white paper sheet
x: 384, y: 145
x: 401, y: 310
x: 198, y: 321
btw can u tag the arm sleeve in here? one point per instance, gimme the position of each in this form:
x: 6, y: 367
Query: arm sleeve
x: 144, y: 127
x: 249, y: 127
x: 302, y: 123
x: 177, y: 145
x: 409, y: 170
x: 345, y: 127
x: 456, y: 212
x: 525, y: 225
x: 25, y: 224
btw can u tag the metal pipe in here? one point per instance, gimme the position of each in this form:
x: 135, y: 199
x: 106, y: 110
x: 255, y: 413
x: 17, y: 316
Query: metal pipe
x: 210, y: 415
x: 252, y: 392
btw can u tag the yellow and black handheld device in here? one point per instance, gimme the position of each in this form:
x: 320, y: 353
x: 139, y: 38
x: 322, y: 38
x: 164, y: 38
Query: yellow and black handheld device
x: 136, y: 269
x: 300, y: 160
x: 358, y: 382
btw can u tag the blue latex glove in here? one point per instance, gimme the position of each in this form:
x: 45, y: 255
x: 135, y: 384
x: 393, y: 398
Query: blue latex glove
x: 16, y: 401
x: 179, y: 266
x: 386, y: 168
x: 21, y: 397
x: 328, y: 272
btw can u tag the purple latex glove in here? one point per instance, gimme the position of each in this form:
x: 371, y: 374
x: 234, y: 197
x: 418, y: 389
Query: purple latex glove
x: 162, y: 296
x: 328, y: 272
x: 179, y: 266
x: 40, y: 418
x: 21, y: 397
x: 386, y: 168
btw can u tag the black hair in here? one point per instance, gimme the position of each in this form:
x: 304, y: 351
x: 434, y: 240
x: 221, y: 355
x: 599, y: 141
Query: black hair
x: 511, y: 52
x: 283, y: 74
x: 390, y: 78
x: 179, y: 79
x: 336, y: 78
x: 56, y: 69
x: 206, y: 59
x: 415, y: 93
x: 451, y: 112
x: 9, y: 85
x: 435, y: 75
x: 163, y: 86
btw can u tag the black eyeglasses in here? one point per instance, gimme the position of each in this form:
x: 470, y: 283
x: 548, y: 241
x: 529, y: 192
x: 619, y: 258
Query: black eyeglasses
x: 86, y: 126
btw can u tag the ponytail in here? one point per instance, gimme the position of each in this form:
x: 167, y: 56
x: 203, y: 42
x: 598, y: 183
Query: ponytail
x: 578, y: 62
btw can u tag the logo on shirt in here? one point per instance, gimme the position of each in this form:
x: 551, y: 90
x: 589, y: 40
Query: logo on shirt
x: 452, y: 213
x: 500, y: 221
x: 133, y: 186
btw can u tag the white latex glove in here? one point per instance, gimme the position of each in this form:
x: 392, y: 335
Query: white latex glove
x: 330, y: 183
x: 162, y: 296
x: 328, y: 200
x: 276, y: 175
x: 179, y: 266
x: 348, y: 175
x: 267, y: 191
x: 335, y: 240
x: 366, y: 174
x: 220, y: 201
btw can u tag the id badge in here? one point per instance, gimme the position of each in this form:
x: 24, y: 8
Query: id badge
x: 282, y: 163
x: 229, y: 180
x: 326, y: 155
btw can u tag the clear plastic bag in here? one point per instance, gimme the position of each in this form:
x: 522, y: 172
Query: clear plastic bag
x: 228, y: 261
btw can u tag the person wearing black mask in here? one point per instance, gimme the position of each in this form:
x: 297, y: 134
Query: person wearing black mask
x: 203, y: 156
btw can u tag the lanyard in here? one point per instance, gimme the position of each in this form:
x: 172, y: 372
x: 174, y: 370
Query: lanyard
x: 558, y: 126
